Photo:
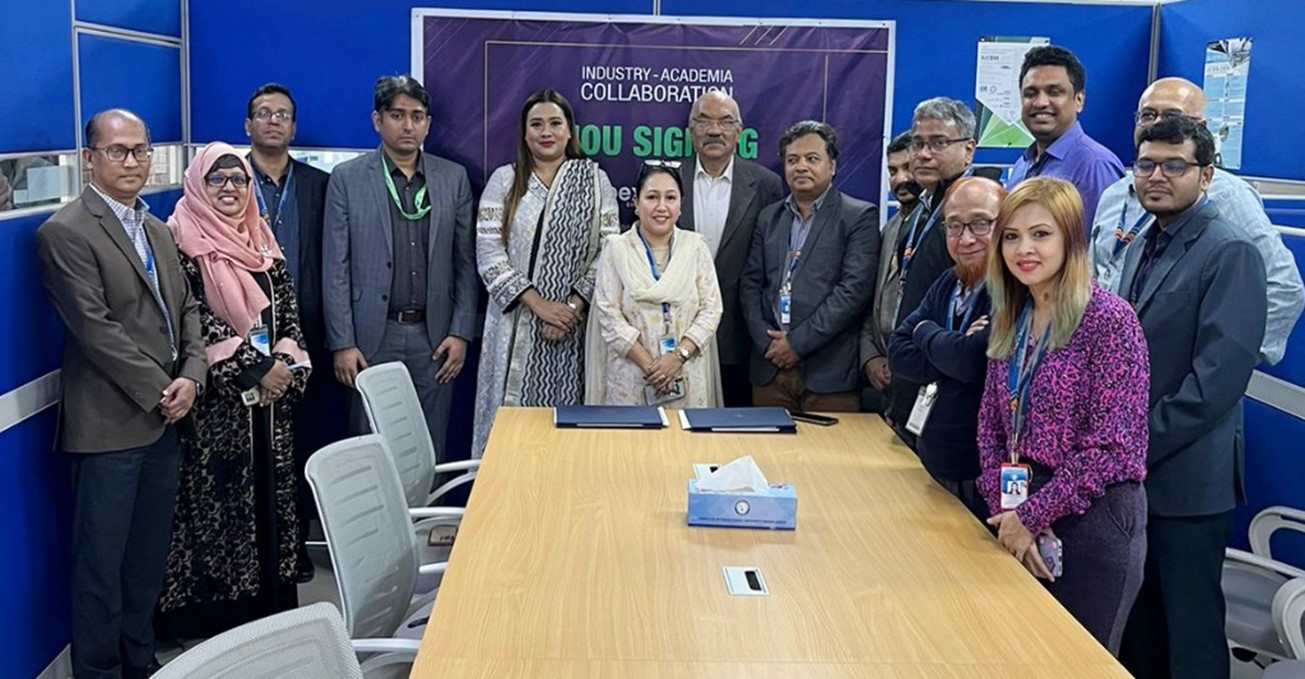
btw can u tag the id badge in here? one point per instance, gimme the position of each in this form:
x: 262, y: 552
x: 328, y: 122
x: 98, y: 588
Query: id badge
x: 258, y: 338
x: 924, y: 401
x: 666, y: 345
x: 1014, y: 485
x: 785, y: 308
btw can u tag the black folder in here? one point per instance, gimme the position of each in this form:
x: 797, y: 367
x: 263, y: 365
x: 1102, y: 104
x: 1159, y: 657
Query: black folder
x: 609, y: 417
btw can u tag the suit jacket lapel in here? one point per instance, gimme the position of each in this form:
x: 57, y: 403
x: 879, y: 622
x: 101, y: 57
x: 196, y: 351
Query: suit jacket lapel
x: 1171, y: 255
x: 435, y: 190
x: 824, y: 215
x: 687, y: 170
x: 307, y: 213
x: 381, y: 198
x: 157, y: 232
x: 117, y: 232
x: 742, y: 193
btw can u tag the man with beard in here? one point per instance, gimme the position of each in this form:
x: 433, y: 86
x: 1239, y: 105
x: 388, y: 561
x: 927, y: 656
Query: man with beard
x: 943, y: 345
x: 881, y: 320
x: 723, y: 194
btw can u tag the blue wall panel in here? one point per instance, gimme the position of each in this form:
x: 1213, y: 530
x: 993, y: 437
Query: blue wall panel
x: 36, y: 92
x: 1275, y: 475
x: 136, y: 76
x: 150, y: 16
x: 34, y: 499
x: 1273, y: 97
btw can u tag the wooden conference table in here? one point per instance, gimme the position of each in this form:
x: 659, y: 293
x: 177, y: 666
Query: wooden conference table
x: 574, y: 560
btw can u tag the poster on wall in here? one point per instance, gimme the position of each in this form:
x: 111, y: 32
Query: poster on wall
x: 997, y: 91
x: 1227, y: 65
x: 632, y: 81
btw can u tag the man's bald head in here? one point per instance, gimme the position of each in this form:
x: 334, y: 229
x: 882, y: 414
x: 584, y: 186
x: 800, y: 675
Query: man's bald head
x: 115, y: 118
x: 1168, y: 98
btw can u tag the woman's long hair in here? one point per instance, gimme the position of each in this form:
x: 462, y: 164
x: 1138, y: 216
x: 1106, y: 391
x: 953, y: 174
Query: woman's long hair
x: 524, y: 165
x: 1073, y: 281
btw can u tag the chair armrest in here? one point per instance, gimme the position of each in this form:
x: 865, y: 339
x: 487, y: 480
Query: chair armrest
x: 406, y: 646
x: 436, y: 512
x: 460, y: 466
x: 459, y: 480
x: 433, y: 568
x: 1269, y: 521
x: 1257, y: 561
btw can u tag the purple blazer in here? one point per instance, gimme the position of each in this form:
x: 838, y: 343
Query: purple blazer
x: 1086, y: 418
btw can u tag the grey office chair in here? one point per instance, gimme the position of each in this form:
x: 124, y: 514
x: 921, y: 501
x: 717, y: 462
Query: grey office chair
x: 306, y: 643
x: 373, y: 549
x: 1250, y: 582
x: 1289, y: 618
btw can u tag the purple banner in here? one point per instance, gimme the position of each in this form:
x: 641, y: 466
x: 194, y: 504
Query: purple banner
x: 632, y: 85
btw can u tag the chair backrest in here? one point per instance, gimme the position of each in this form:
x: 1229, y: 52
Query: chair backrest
x: 1289, y: 616
x: 1269, y: 521
x: 305, y: 643
x: 368, y: 532
x: 394, y: 411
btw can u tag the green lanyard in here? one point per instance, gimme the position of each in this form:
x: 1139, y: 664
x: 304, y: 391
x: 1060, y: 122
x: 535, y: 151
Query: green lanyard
x: 394, y: 195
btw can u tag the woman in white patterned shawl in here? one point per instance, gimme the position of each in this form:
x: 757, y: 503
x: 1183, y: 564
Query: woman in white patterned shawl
x: 541, y: 222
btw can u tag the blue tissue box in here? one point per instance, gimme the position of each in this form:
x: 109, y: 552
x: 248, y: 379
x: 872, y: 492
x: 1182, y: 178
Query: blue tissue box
x: 774, y: 508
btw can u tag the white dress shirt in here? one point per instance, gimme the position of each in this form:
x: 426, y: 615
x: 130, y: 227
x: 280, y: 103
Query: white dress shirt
x: 711, y: 203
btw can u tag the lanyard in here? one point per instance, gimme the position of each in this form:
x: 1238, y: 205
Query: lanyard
x: 1019, y: 375
x: 394, y: 196
x: 1122, y: 237
x: 657, y: 276
x: 965, y: 311
x: 795, y: 248
x: 280, y: 205
x: 913, y: 243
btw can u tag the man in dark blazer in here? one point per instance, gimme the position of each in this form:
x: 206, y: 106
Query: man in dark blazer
x: 723, y: 194
x: 808, y: 281
x: 291, y: 196
x: 133, y: 362
x: 399, y: 271
x: 1198, y: 285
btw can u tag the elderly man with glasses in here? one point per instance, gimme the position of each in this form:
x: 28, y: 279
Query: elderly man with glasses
x: 1121, y: 218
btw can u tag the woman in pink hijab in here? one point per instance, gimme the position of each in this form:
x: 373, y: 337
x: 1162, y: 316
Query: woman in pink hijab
x: 234, y: 552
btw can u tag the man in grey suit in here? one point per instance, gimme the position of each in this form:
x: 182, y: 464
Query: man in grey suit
x: 132, y: 365
x: 723, y: 195
x: 399, y: 260
x: 808, y: 281
x: 1198, y: 285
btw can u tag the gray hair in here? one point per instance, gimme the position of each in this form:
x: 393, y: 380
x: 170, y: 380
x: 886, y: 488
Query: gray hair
x: 948, y: 111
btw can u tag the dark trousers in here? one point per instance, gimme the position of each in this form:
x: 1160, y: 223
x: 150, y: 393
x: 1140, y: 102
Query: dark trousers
x: 735, y: 388
x: 1177, y: 626
x: 410, y: 344
x: 1104, y: 553
x: 122, y: 528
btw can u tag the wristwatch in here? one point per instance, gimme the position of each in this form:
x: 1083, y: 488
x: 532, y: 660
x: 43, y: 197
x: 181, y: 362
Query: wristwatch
x: 683, y: 354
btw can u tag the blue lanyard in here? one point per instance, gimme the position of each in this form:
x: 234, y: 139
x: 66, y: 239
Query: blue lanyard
x: 657, y: 276
x: 1019, y: 375
x: 913, y: 244
x: 954, y: 308
x: 1122, y: 237
x: 280, y: 206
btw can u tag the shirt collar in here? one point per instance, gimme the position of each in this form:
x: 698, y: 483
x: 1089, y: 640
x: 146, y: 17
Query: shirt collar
x: 397, y: 173
x: 699, y: 171
x: 1183, y: 219
x: 119, y: 209
x: 263, y: 177
x: 1059, y: 148
x: 815, y: 207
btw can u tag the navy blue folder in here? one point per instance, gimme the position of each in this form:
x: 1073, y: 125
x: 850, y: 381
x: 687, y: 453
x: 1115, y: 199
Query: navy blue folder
x: 738, y: 420
x: 609, y: 417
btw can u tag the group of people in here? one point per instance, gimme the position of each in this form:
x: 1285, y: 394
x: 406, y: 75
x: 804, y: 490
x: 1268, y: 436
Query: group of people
x: 1075, y: 384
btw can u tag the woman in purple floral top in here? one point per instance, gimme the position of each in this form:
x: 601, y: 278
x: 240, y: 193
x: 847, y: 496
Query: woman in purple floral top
x: 1079, y: 425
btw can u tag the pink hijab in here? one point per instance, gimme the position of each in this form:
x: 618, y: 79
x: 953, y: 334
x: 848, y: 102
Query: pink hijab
x: 227, y: 250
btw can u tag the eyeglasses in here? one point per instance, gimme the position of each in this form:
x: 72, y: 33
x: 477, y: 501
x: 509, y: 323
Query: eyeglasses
x: 657, y: 162
x: 1146, y: 116
x: 723, y: 124
x: 934, y: 145
x: 1170, y: 168
x: 118, y: 153
x: 978, y: 227
x: 217, y: 181
x: 265, y: 115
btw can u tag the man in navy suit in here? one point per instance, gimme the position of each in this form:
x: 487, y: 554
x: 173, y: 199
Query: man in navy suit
x: 1198, y: 285
x: 399, y: 276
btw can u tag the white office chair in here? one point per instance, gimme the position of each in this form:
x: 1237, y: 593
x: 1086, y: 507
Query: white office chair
x: 1250, y: 582
x: 394, y: 411
x: 306, y: 643
x: 1289, y: 618
x: 373, y: 548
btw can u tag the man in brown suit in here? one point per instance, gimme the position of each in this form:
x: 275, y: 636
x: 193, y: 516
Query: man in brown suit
x: 132, y: 364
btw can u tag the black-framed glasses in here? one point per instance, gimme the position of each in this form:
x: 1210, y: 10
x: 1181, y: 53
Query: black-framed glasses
x: 264, y: 115
x: 723, y: 124
x: 118, y: 153
x: 935, y: 145
x: 1147, y: 116
x: 979, y: 227
x: 1170, y: 168
x: 658, y: 162
x: 217, y: 181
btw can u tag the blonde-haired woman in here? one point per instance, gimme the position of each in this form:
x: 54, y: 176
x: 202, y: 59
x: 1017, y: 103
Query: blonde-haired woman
x: 1063, y: 425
